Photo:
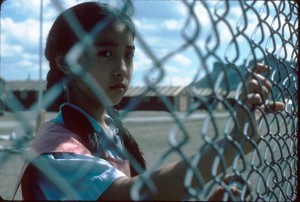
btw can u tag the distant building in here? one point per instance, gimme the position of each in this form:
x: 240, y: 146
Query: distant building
x: 2, y: 95
x: 207, y: 98
x: 161, y: 98
x: 26, y: 91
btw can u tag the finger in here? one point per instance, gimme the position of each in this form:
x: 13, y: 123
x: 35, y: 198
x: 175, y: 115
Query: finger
x: 237, y: 194
x: 253, y: 99
x: 254, y: 87
x: 237, y: 188
x: 217, y: 195
x: 237, y: 184
x: 260, y: 68
x: 235, y: 191
x: 273, y: 107
x: 264, y: 81
x: 233, y: 178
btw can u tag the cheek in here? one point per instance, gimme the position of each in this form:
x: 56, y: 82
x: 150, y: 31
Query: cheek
x: 98, y: 70
x: 100, y: 78
x: 130, y: 71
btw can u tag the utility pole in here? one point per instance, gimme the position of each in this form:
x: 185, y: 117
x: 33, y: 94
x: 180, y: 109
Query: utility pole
x: 41, y: 112
x: 1, y: 2
x: 1, y: 80
x: 41, y: 55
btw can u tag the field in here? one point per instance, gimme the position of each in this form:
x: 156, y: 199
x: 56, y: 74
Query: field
x: 151, y: 129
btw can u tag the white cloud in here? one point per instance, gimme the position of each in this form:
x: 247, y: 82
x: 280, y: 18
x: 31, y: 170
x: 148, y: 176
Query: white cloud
x: 159, y: 45
x: 145, y: 25
x: 20, y: 69
x: 11, y: 50
x: 173, y: 24
x: 26, y: 7
x: 236, y: 12
x: 182, y: 9
x: 25, y: 32
x: 178, y: 81
x: 158, y: 28
x: 199, y: 10
x: 202, y: 14
x: 141, y: 61
x: 182, y: 60
x: 176, y: 76
x: 170, y: 69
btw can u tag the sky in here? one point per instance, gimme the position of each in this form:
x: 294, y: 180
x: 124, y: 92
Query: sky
x: 162, y: 27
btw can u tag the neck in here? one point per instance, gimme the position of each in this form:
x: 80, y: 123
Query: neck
x: 96, y: 111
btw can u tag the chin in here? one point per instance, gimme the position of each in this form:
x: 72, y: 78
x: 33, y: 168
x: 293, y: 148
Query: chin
x: 116, y: 102
x: 116, y: 99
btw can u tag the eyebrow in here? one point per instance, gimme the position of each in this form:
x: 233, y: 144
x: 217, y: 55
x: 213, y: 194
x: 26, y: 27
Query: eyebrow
x: 113, y: 44
x: 106, y: 43
x: 131, y: 46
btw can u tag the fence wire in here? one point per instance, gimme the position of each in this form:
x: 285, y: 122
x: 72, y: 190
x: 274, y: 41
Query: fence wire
x: 264, y: 32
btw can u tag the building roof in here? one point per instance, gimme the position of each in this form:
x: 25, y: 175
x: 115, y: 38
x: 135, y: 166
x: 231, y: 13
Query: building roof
x: 208, y: 92
x: 25, y: 85
x: 2, y: 80
x: 162, y: 90
x: 35, y: 85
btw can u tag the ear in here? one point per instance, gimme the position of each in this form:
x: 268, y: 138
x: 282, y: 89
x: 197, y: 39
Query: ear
x: 59, y: 59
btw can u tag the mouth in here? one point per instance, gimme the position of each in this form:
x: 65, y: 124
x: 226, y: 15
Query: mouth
x: 120, y: 87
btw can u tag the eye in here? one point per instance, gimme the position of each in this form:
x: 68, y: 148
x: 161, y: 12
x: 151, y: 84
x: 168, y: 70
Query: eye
x: 130, y: 54
x: 105, y: 53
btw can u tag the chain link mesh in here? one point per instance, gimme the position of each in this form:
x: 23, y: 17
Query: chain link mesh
x: 265, y: 32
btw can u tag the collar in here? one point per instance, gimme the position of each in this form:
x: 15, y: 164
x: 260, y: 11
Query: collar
x: 96, y: 126
x: 82, y: 122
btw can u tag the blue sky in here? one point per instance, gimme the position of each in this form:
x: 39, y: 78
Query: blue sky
x: 160, y: 23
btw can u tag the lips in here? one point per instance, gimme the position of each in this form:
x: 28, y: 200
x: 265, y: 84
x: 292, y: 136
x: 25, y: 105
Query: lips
x: 119, y: 87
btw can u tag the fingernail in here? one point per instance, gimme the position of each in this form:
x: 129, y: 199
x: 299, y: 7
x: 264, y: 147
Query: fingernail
x: 234, y: 189
x: 237, y: 185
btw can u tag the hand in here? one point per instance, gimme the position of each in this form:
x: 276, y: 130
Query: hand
x: 256, y: 97
x: 236, y: 186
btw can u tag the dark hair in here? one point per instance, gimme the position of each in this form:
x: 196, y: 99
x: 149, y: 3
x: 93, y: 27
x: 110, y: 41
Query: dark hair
x: 62, y: 37
x: 60, y: 40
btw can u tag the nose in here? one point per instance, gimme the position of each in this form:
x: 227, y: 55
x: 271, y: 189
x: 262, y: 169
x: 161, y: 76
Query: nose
x: 121, y: 69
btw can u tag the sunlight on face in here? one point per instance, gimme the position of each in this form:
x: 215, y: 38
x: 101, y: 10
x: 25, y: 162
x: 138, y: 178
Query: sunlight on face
x: 112, y: 65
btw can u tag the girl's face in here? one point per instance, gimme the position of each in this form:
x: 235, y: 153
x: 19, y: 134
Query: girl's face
x: 112, y: 66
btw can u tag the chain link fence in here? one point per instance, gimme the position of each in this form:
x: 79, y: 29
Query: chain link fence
x: 226, y: 38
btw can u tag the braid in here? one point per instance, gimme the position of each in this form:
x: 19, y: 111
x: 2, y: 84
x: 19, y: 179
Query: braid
x: 54, y: 78
x: 128, y: 140
x: 134, y: 149
x: 76, y: 122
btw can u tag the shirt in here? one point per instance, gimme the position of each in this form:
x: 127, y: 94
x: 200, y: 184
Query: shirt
x: 68, y: 170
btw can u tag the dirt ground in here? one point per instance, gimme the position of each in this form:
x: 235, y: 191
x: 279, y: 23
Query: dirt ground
x: 156, y: 132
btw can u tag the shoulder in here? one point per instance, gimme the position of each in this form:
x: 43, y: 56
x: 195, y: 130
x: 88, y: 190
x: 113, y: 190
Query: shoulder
x: 52, y: 132
x: 54, y: 137
x: 51, y: 126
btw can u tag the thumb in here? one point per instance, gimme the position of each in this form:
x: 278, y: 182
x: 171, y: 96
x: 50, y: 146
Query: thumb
x: 273, y: 107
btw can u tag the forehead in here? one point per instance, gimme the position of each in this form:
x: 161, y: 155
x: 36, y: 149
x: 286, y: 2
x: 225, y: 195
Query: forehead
x: 119, y: 26
x: 117, y: 32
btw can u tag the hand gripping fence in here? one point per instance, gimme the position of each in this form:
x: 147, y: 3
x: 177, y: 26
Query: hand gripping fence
x: 241, y: 34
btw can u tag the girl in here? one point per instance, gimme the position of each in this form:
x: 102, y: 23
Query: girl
x: 86, y: 150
